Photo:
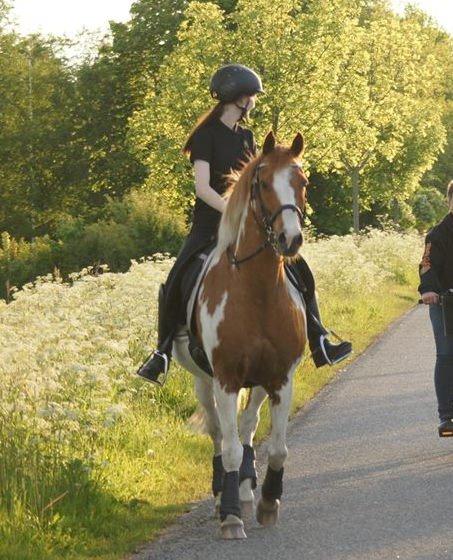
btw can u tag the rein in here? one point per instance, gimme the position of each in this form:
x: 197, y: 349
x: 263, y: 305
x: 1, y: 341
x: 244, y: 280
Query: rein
x: 266, y: 220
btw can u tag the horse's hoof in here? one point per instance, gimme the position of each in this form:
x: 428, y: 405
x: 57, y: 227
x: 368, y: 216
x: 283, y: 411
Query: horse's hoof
x: 232, y: 528
x: 247, y: 510
x: 267, y: 512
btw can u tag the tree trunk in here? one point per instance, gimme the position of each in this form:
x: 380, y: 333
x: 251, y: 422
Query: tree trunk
x: 355, y: 181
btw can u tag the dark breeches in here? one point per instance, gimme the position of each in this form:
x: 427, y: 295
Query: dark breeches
x: 195, y: 242
x: 304, y: 277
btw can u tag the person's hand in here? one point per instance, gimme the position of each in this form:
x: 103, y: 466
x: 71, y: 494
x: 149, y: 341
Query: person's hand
x: 430, y: 297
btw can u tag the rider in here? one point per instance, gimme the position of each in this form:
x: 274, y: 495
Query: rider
x: 217, y: 145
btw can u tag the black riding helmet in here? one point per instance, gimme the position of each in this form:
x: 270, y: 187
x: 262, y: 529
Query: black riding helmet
x: 233, y: 80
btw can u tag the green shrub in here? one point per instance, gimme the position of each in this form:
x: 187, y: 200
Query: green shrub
x: 138, y: 225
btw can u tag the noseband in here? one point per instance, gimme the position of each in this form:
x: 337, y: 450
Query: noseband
x: 266, y: 219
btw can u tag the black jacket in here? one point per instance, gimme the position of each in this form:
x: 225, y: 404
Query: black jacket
x: 436, y: 268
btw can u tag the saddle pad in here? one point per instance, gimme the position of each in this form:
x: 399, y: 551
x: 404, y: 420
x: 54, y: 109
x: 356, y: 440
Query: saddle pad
x: 207, y: 257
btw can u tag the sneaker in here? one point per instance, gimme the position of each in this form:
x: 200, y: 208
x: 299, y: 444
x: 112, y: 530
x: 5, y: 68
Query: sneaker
x: 328, y: 353
x: 446, y: 428
x: 155, y: 368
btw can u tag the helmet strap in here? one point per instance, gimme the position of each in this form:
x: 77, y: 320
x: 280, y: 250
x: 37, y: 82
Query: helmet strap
x: 243, y: 110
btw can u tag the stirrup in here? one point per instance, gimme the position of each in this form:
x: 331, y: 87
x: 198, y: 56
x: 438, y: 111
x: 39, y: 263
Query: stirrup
x: 323, y: 337
x: 323, y: 349
x: 162, y: 376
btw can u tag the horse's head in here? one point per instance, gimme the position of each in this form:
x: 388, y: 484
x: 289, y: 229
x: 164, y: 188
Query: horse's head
x: 278, y: 192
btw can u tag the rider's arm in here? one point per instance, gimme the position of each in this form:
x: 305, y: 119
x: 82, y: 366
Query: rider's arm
x: 430, y: 269
x: 202, y: 188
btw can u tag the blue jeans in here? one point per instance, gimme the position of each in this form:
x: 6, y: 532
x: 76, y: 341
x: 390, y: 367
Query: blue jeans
x: 443, y: 373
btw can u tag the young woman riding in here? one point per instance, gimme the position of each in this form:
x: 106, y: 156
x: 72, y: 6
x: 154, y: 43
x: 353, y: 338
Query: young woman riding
x: 217, y: 145
x: 436, y: 277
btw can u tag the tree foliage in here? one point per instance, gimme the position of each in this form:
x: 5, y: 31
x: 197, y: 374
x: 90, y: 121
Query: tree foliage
x: 370, y: 90
x: 365, y: 86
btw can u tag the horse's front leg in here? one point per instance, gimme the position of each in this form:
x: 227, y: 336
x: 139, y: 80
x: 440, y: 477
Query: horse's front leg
x: 231, y: 524
x: 267, y: 510
x: 247, y: 428
x: 205, y: 393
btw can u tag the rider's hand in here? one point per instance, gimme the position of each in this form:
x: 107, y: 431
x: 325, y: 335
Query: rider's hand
x: 430, y: 297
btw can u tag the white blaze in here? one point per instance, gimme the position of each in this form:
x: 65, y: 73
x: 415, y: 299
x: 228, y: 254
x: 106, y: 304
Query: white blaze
x: 286, y: 195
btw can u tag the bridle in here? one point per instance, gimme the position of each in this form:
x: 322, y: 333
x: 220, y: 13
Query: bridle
x: 265, y: 220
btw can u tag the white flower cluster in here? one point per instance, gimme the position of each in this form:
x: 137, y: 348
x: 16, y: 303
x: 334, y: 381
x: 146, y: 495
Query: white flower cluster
x: 361, y: 263
x: 68, y: 353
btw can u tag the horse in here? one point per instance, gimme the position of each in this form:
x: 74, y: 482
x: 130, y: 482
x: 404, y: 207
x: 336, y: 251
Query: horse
x: 251, y: 322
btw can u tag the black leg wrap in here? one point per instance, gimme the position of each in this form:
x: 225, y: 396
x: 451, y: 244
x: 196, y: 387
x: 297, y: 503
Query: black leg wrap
x: 229, y: 504
x: 273, y: 485
x: 217, y: 474
x: 248, y: 469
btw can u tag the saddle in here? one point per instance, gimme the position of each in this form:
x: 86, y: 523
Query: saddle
x: 190, y: 287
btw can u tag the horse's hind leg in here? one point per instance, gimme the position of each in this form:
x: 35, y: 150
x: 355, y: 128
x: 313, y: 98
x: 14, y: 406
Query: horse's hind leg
x: 205, y: 394
x: 268, y: 506
x: 231, y: 525
x: 247, y: 428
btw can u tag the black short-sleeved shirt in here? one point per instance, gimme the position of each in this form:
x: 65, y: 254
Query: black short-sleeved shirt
x: 223, y: 148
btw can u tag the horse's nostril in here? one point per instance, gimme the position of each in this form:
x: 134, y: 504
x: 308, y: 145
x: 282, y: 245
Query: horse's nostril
x: 298, y: 239
x: 282, y: 239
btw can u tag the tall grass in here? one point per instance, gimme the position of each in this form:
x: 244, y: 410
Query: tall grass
x: 92, y: 459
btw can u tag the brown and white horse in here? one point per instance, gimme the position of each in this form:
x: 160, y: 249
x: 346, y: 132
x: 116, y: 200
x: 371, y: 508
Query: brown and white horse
x: 251, y: 321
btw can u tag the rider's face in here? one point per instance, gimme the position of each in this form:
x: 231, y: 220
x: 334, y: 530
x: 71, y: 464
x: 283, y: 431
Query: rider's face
x: 248, y: 101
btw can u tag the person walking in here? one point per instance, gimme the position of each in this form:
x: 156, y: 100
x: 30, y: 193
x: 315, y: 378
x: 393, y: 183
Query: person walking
x: 217, y: 145
x: 436, y: 278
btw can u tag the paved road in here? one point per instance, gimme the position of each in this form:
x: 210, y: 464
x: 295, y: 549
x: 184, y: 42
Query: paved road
x: 367, y: 477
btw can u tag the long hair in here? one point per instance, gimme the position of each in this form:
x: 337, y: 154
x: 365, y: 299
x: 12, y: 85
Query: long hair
x: 450, y: 195
x: 206, y: 118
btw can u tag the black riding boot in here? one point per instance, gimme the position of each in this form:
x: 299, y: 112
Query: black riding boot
x: 156, y: 365
x: 323, y: 351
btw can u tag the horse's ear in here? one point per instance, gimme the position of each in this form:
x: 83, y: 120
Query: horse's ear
x: 298, y: 145
x: 269, y: 143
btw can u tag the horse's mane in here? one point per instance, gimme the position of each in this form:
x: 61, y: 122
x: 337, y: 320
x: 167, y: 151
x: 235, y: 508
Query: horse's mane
x: 237, y: 196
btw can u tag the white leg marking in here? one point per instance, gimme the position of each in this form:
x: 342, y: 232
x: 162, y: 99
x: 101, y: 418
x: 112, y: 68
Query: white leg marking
x: 245, y: 491
x: 286, y: 195
x: 251, y: 415
x: 227, y: 411
x: 277, y: 450
x: 205, y: 393
x: 247, y: 428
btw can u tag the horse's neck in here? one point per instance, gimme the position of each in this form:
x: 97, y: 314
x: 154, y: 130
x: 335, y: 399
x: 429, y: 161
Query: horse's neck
x: 266, y: 267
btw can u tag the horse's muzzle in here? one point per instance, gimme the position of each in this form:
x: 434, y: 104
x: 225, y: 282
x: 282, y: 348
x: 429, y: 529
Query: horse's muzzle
x: 289, y: 249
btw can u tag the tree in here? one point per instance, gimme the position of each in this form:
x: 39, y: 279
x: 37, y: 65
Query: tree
x: 158, y: 131
x: 394, y: 132
x: 36, y: 92
x: 208, y: 38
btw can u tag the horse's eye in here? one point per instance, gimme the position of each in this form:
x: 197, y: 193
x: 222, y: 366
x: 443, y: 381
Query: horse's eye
x: 264, y: 185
